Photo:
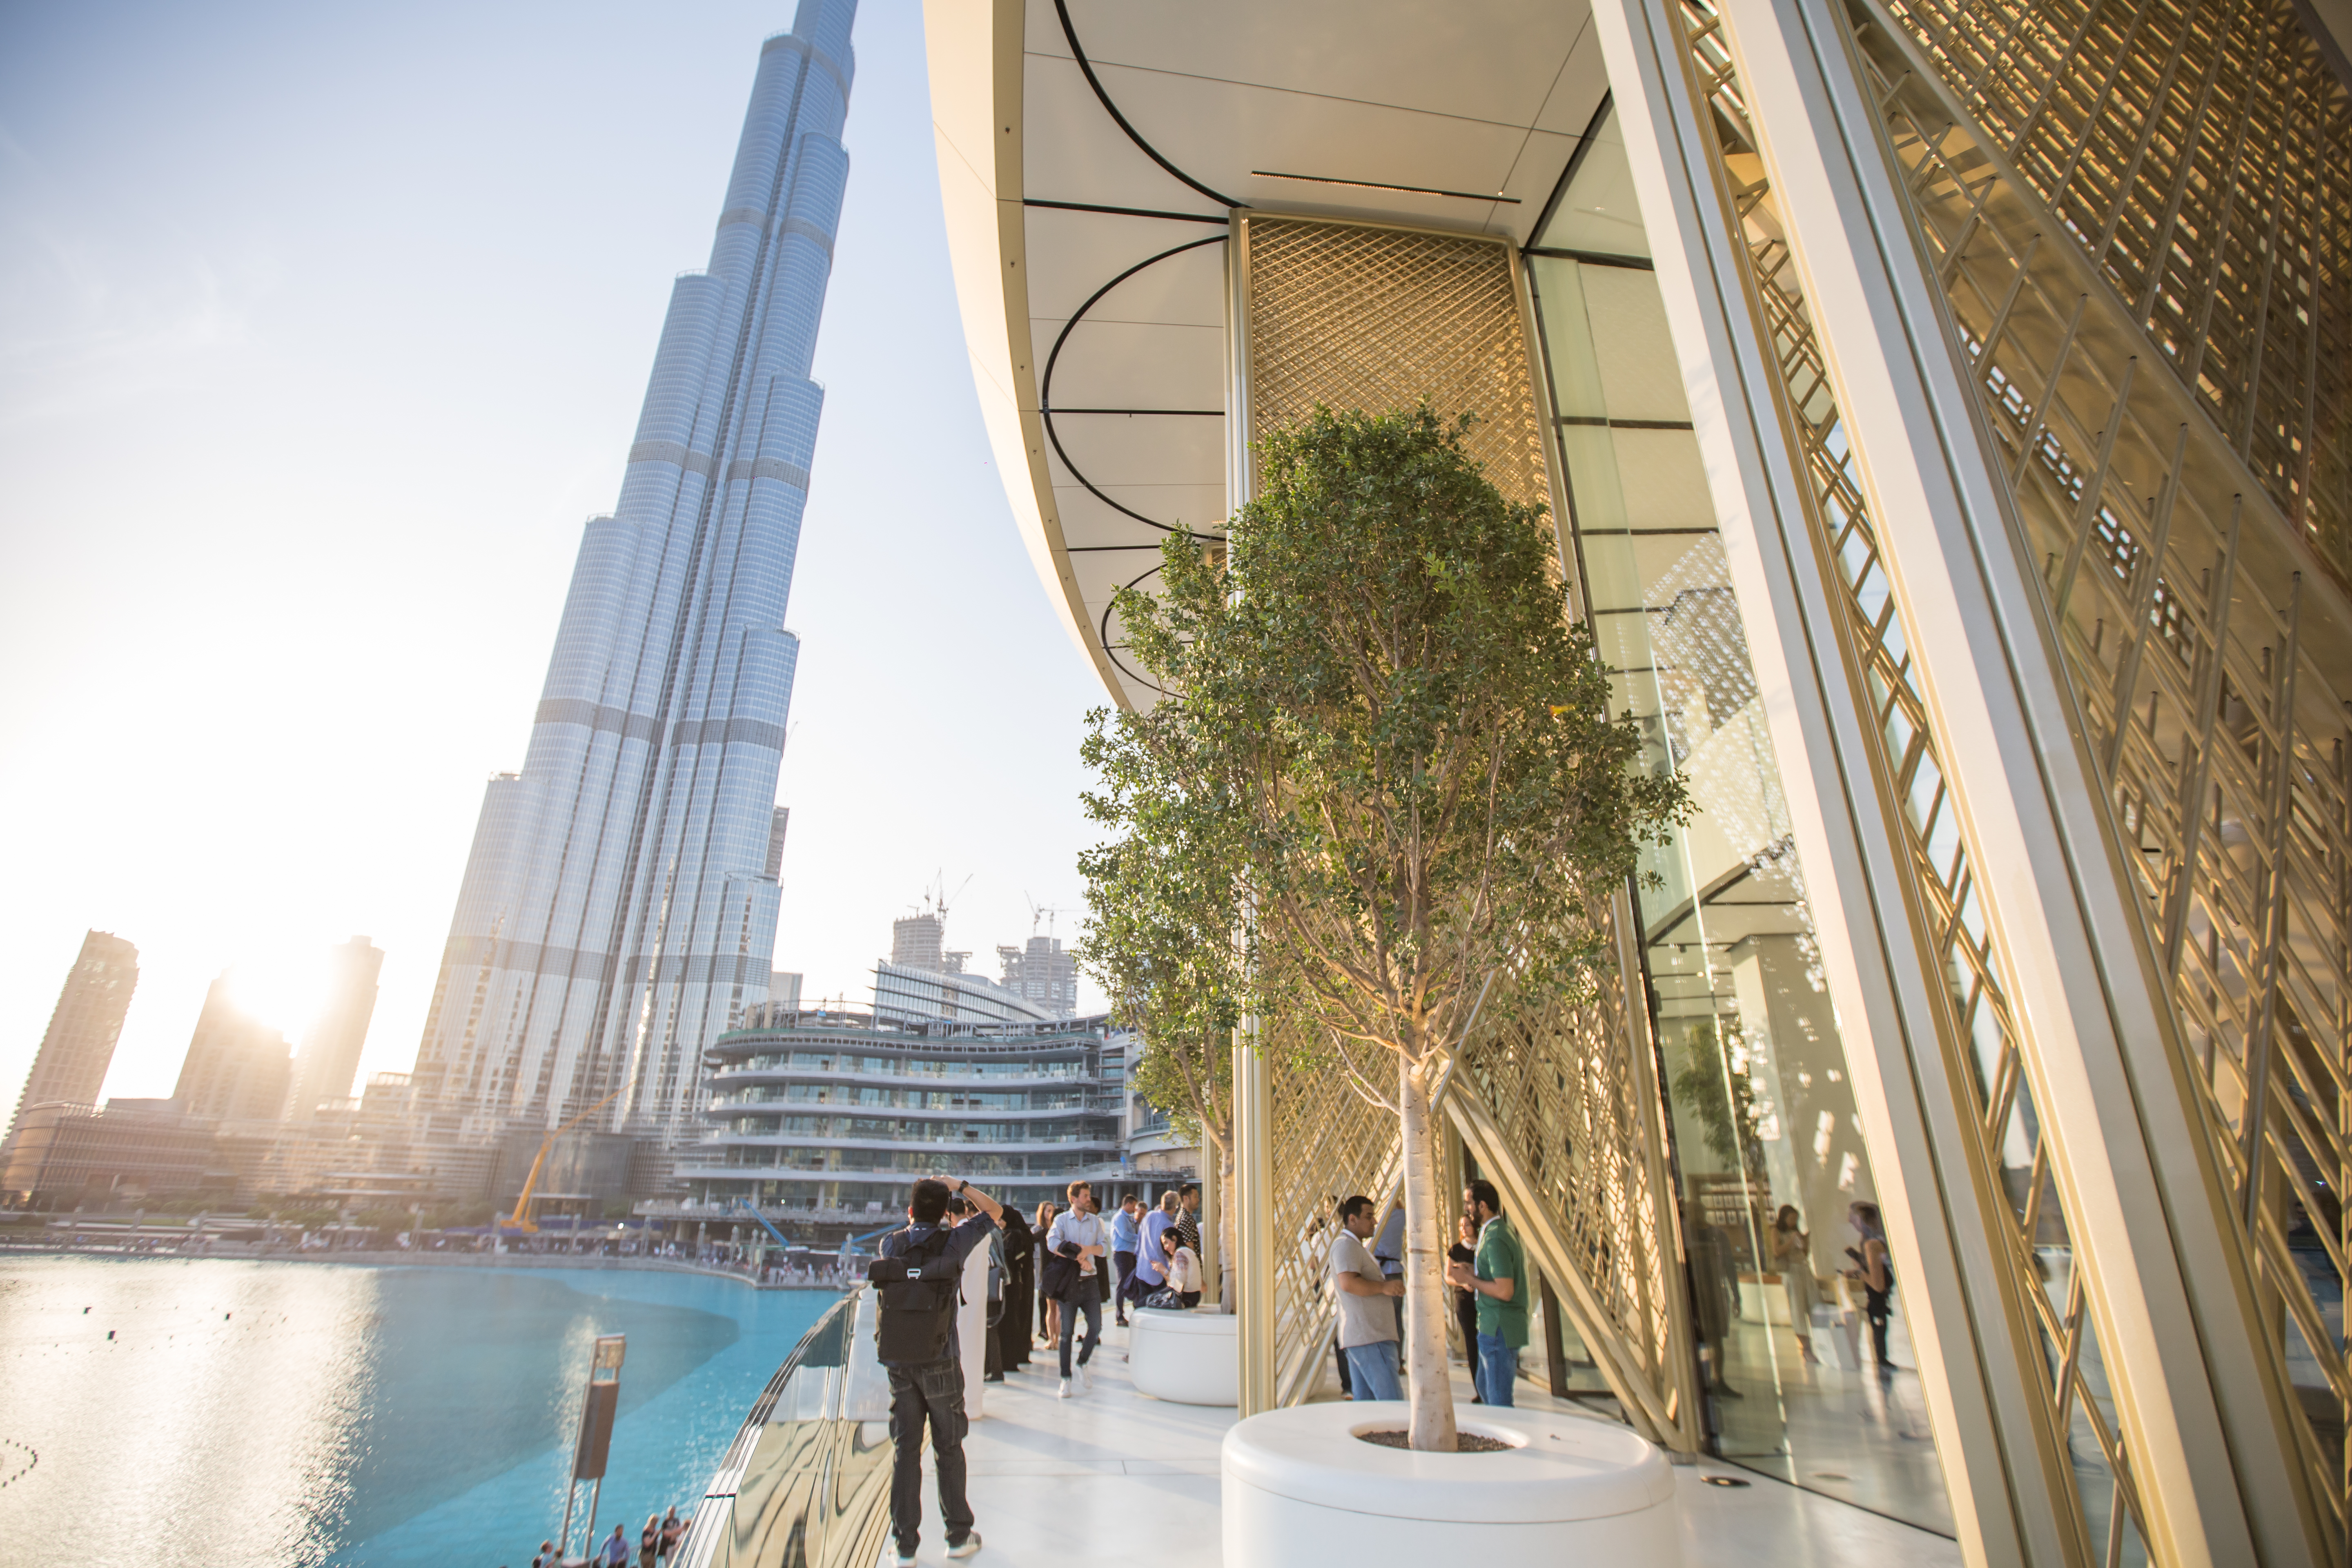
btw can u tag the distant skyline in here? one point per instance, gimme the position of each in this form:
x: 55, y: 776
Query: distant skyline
x: 297, y: 309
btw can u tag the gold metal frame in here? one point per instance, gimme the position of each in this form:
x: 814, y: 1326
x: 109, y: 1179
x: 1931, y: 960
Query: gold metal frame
x: 2173, y: 186
x: 2062, y: 175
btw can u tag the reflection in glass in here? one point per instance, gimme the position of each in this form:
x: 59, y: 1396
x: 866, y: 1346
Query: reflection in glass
x: 1778, y: 1202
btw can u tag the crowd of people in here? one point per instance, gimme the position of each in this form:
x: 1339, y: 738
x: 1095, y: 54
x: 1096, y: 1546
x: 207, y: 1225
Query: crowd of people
x: 1486, y: 1270
x: 1051, y: 1272
x: 655, y: 1547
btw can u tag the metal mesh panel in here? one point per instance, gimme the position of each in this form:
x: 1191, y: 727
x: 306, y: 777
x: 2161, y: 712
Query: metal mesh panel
x: 1379, y: 319
x: 1328, y: 1143
x: 2212, y: 676
x: 1574, y: 1126
x: 2200, y: 155
x: 1987, y: 1057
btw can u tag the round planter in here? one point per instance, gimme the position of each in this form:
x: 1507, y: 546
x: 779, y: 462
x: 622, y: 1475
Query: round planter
x: 1301, y: 1487
x: 1188, y: 1358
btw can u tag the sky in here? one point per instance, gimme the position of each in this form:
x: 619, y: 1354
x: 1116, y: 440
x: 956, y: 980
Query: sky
x: 323, y: 332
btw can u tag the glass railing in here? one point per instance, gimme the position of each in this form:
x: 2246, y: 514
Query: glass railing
x: 959, y: 1135
x: 806, y: 1483
x: 1020, y: 1104
x: 887, y: 1066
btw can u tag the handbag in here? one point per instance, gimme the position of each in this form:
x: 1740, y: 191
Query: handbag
x: 1164, y: 1300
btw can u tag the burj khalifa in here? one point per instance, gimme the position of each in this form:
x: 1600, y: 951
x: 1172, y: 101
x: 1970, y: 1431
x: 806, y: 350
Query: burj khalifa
x: 618, y: 910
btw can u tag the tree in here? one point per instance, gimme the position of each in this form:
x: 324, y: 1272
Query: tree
x: 1391, y: 773
x: 1160, y: 940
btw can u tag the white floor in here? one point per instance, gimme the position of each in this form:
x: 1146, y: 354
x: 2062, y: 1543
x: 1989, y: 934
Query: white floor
x: 1112, y: 1478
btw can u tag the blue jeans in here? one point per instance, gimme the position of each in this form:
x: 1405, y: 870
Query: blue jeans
x: 1498, y: 1368
x: 1372, y: 1371
x: 1089, y: 1302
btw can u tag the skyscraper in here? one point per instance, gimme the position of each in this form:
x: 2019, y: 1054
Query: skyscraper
x: 1043, y: 973
x: 79, y: 1045
x: 617, y: 913
x: 237, y: 1067
x: 329, y: 1058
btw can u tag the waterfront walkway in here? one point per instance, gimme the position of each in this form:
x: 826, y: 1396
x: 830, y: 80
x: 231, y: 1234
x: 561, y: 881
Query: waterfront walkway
x: 1113, y: 1478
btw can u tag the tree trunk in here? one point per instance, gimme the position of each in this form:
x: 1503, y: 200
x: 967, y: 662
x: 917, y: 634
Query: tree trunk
x: 1428, y: 1385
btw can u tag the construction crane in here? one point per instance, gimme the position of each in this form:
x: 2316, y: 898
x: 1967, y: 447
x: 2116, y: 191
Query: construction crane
x: 784, y: 1243
x: 520, y: 1219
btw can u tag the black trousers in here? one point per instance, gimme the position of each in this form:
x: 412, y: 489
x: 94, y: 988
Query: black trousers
x: 1874, y: 1306
x: 931, y: 1391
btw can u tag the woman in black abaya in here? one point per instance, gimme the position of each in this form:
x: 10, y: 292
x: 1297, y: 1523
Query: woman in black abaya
x: 1013, y: 1328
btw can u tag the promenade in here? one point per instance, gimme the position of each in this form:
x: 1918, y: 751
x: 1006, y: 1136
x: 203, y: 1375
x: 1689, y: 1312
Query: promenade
x: 1114, y: 1477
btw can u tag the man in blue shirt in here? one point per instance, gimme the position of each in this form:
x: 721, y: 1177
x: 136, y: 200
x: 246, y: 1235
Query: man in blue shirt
x: 1081, y: 1230
x: 1150, y: 1275
x: 931, y: 1391
x: 1124, y: 1234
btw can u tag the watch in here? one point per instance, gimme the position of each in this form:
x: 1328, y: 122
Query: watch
x: 962, y: 1183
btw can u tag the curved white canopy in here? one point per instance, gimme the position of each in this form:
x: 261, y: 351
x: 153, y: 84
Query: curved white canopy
x: 1091, y: 153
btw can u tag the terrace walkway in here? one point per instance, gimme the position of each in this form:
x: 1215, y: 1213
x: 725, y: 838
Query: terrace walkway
x: 1113, y: 1477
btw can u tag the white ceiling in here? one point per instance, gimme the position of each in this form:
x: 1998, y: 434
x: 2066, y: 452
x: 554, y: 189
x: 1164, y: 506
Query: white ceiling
x: 1486, y: 98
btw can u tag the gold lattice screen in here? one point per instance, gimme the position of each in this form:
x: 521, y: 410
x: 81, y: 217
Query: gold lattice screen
x: 1557, y: 1108
x: 1378, y: 319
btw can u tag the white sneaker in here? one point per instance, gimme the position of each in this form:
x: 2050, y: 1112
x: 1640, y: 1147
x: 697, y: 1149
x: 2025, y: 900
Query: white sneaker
x: 905, y: 1560
x: 966, y: 1547
x: 1063, y: 1392
x: 1085, y: 1381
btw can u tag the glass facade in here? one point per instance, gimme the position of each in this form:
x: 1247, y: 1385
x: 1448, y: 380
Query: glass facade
x: 618, y: 910
x: 1767, y: 1145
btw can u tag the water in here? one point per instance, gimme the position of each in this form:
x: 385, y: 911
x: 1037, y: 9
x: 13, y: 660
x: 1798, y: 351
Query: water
x: 307, y: 1413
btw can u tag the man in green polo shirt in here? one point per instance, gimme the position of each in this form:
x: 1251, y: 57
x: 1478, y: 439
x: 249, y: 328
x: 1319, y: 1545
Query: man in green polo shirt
x: 1499, y: 1277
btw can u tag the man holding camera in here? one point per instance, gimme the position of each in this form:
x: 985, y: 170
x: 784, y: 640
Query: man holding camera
x: 919, y: 1274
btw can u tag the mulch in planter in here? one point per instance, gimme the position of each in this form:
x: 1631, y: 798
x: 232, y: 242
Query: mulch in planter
x: 1464, y: 1442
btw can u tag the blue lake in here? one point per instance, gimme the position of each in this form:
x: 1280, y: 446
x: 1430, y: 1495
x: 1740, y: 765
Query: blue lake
x: 313, y: 1414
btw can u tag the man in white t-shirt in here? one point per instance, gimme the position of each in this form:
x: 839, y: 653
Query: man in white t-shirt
x: 1080, y: 1227
x: 1367, y: 1325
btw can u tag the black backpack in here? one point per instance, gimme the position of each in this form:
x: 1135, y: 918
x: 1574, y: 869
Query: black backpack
x: 920, y: 1290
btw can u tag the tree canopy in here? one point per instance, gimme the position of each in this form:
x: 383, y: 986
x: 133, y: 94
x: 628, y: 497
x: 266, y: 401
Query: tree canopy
x: 1381, y: 774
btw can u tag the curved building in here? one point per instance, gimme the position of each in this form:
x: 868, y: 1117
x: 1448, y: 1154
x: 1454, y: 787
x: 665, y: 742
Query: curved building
x: 831, y: 1117
x: 1943, y: 411
x: 618, y: 912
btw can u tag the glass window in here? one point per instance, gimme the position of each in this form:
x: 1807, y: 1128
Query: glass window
x: 1811, y: 1370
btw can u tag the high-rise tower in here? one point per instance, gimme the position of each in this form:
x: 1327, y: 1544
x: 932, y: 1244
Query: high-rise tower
x: 616, y: 912
x: 329, y: 1058
x: 79, y: 1046
x: 237, y: 1067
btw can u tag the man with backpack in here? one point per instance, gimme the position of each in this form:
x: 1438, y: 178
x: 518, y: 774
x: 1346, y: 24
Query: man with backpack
x: 919, y: 1277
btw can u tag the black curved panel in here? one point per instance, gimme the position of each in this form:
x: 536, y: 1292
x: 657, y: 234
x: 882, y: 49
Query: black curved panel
x: 1069, y: 32
x: 1110, y: 650
x: 1045, y: 385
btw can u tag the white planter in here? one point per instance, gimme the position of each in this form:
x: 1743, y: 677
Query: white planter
x: 1301, y: 1487
x: 1188, y: 1358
